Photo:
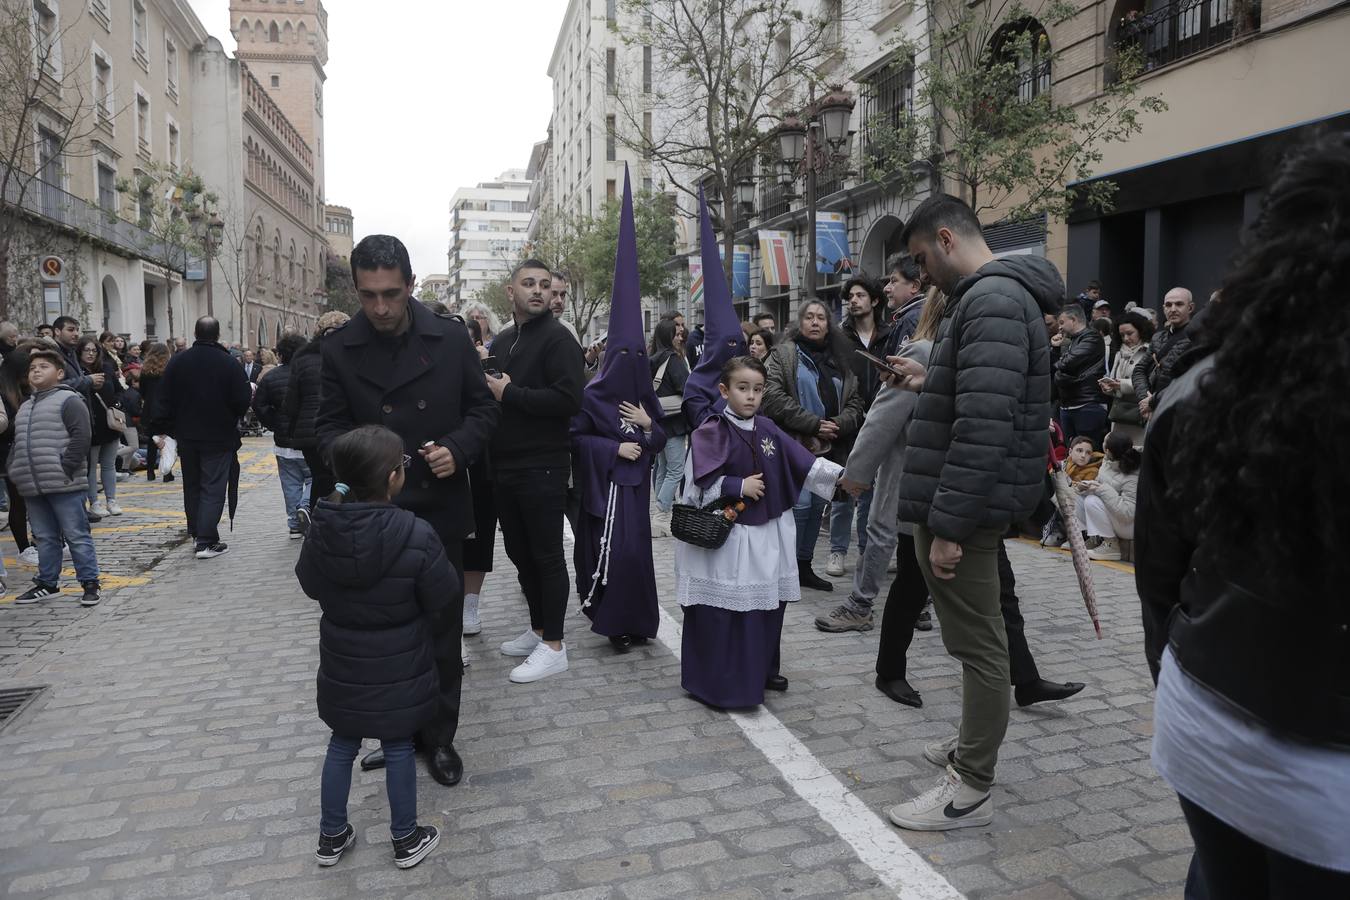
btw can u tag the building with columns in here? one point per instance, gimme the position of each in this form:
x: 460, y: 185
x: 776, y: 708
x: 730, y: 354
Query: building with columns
x: 338, y: 227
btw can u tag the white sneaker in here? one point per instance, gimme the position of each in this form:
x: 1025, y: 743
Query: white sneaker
x: 523, y: 645
x: 836, y: 564
x: 660, y: 523
x: 472, y: 624
x: 542, y: 662
x: 29, y: 557
x: 1107, y: 549
x: 891, y: 565
x: 99, y: 508
x: 113, y: 508
x: 951, y: 804
x: 463, y: 654
x: 941, y: 753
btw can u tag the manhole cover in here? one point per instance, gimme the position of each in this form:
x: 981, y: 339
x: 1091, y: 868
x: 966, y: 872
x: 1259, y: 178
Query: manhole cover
x: 14, y: 700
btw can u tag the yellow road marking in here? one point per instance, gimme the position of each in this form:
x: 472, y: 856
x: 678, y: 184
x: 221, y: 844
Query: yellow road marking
x: 1109, y: 563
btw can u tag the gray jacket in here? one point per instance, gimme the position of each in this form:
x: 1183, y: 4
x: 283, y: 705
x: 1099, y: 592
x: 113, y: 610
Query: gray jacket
x: 51, y: 444
x: 878, y: 454
x: 979, y: 440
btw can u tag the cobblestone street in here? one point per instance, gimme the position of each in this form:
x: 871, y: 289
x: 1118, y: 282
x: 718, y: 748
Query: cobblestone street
x: 177, y: 752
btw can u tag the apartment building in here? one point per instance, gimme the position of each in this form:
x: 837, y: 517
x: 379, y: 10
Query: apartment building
x: 489, y: 225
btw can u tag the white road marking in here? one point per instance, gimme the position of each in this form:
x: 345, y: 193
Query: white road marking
x: 875, y: 841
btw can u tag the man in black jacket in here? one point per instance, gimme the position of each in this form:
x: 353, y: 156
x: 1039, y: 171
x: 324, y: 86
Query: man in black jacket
x: 975, y: 463
x: 203, y: 396
x: 398, y: 364
x: 539, y: 391
x: 1156, y: 370
x: 1079, y: 354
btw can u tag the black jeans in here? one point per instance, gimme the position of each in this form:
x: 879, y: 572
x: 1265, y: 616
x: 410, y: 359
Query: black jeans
x: 321, y: 482
x: 530, y: 506
x: 206, y: 476
x: 18, y: 517
x: 441, y: 730
x: 1228, y: 864
x: 905, y: 601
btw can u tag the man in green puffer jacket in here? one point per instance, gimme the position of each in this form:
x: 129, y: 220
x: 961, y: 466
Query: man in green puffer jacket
x: 975, y: 463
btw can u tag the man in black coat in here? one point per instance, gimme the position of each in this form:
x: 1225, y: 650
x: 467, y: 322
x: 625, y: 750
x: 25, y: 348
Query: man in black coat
x: 203, y: 396
x: 399, y: 365
x: 1079, y: 354
x: 1156, y: 370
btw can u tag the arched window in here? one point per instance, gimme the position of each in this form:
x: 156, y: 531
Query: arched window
x: 1026, y: 45
x: 273, y: 36
x: 290, y: 263
x: 257, y: 250
x: 276, y: 261
x: 304, y: 274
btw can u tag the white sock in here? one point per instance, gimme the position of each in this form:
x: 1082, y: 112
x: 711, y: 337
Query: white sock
x: 470, y: 599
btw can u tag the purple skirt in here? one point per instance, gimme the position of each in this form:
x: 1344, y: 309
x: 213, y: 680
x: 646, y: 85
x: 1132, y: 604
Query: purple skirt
x: 727, y: 656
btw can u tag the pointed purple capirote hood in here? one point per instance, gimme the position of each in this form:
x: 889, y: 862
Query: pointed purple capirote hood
x: 722, y: 334
x: 625, y: 375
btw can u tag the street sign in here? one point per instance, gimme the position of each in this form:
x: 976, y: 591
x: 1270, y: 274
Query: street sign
x: 52, y: 269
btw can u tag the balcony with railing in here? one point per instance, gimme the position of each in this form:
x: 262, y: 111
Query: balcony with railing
x: 67, y: 212
x: 1183, y: 28
x: 887, y: 103
x: 774, y: 200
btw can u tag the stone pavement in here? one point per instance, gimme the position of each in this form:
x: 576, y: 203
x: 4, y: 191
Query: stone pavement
x: 128, y: 548
x: 177, y: 754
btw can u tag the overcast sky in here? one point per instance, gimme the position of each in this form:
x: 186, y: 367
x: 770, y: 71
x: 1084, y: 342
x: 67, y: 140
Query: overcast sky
x: 423, y: 97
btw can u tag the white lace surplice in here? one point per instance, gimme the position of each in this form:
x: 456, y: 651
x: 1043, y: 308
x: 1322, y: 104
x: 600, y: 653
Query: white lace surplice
x: 756, y: 569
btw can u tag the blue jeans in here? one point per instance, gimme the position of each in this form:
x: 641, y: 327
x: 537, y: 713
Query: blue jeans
x: 1087, y: 421
x: 669, y: 470
x: 841, y: 522
x: 400, y: 783
x: 808, y: 512
x: 51, y: 516
x: 103, y: 458
x: 295, y: 484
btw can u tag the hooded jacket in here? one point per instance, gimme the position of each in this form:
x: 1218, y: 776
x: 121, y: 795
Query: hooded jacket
x: 978, y: 442
x: 383, y: 580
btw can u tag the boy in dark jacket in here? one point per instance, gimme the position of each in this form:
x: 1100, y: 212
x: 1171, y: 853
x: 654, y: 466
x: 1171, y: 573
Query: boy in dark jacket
x: 269, y: 405
x: 384, y: 582
x: 48, y: 464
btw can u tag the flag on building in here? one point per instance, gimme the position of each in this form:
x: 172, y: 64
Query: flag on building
x: 775, y: 252
x: 740, y: 270
x: 832, y: 243
x: 695, y: 280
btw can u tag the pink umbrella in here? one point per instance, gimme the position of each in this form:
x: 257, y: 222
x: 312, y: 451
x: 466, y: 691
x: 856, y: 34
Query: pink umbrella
x: 1068, y: 508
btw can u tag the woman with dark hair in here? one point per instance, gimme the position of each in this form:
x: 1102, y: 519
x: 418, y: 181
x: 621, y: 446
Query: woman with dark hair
x: 812, y: 394
x: 156, y: 358
x: 760, y: 344
x: 670, y: 371
x: 478, y: 550
x: 269, y: 405
x: 14, y: 389
x: 106, y: 440
x: 1135, y: 331
x: 303, y: 386
x: 1242, y: 564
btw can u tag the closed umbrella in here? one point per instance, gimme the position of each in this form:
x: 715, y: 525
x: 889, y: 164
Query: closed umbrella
x: 1082, y: 566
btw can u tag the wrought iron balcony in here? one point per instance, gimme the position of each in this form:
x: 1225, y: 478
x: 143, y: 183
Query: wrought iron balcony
x: 65, y: 211
x: 1185, y: 28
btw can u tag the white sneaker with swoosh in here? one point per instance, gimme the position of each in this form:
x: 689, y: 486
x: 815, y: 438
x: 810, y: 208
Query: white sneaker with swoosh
x: 950, y: 804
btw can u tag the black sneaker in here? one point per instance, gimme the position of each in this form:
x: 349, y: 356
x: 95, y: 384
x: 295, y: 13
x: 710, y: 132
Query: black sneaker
x: 332, y: 847
x: 924, y: 622
x: 91, y: 596
x: 93, y: 516
x: 302, y: 519
x: 168, y: 478
x: 211, y: 551
x: 38, y: 591
x: 296, y: 534
x: 410, y: 850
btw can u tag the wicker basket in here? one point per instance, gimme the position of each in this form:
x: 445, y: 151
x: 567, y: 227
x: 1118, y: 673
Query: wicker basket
x: 707, y: 527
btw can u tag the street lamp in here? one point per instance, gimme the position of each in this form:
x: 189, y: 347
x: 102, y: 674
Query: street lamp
x: 208, y: 230
x: 745, y: 193
x: 798, y: 147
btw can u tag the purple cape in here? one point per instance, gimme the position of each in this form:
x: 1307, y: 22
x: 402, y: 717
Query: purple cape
x: 722, y: 449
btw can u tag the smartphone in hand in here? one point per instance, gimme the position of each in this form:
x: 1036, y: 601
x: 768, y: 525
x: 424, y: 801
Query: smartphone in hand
x: 880, y: 364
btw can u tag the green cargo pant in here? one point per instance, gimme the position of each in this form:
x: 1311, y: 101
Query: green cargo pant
x: 967, y: 606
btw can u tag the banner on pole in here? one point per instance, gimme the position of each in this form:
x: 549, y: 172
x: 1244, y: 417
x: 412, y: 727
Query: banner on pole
x: 740, y: 270
x: 775, y: 252
x: 832, y: 243
x: 695, y: 280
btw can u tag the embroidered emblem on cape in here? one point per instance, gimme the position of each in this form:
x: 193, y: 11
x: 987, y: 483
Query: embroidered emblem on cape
x: 768, y: 447
x: 627, y: 427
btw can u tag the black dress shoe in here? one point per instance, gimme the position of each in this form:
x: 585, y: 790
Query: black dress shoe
x: 1040, y: 690
x: 637, y: 640
x: 807, y: 578
x: 898, y: 689
x: 924, y: 622
x: 776, y: 683
x: 373, y: 760
x: 622, y: 643
x: 445, y: 766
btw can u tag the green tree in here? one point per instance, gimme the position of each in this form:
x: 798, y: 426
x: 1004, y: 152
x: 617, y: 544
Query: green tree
x: 986, y: 126
x: 341, y: 289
